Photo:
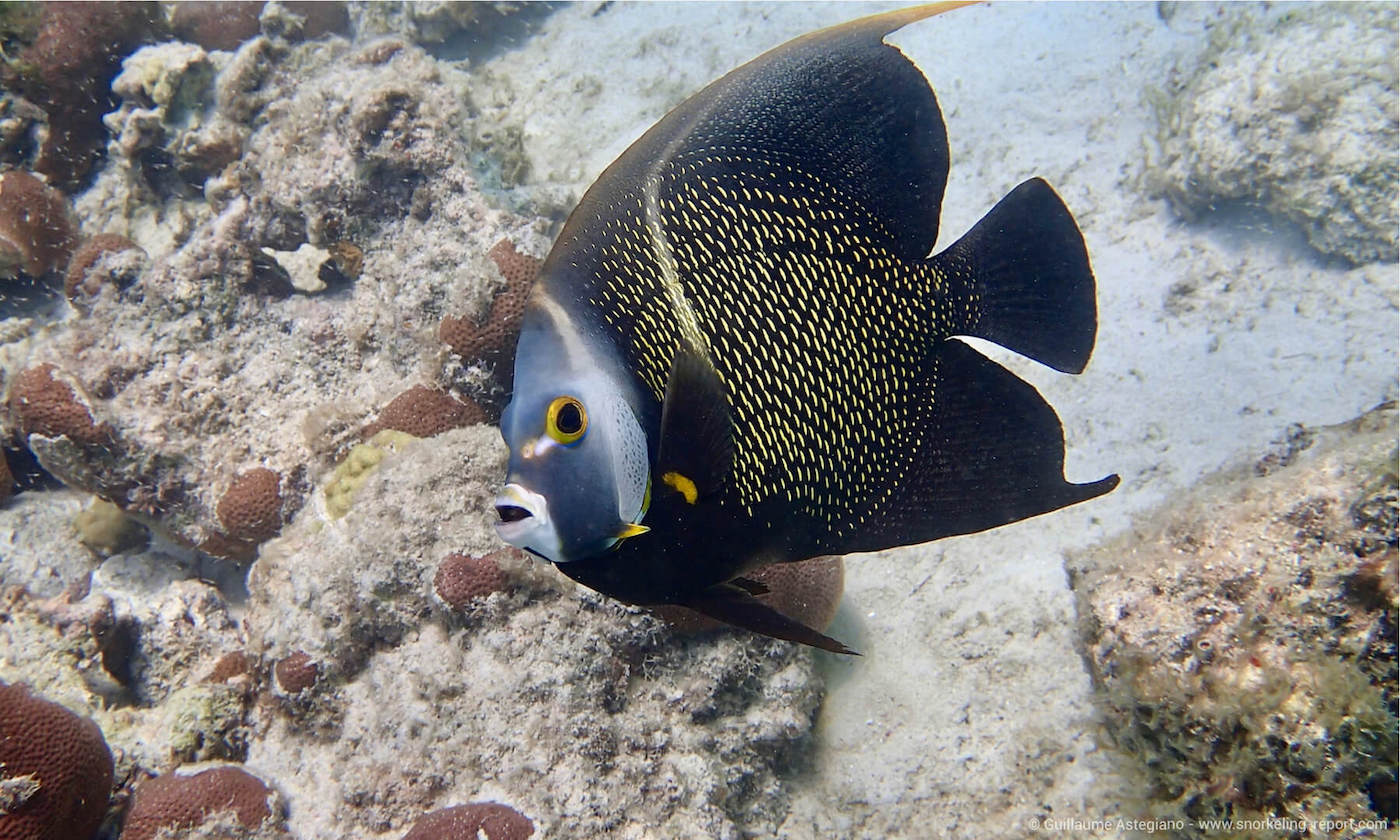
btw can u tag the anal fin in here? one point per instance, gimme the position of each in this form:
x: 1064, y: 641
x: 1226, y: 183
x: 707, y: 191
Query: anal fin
x: 991, y: 452
x: 732, y: 604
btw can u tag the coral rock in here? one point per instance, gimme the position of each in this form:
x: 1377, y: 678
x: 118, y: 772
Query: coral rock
x: 218, y: 25
x: 84, y: 278
x: 808, y: 591
x: 1300, y: 122
x: 7, y: 479
x: 491, y: 820
x: 296, y: 673
x: 55, y: 770
x: 494, y: 339
x: 70, y: 66
x: 461, y: 579
x: 251, y: 508
x: 46, y: 406
x: 173, y: 801
x: 36, y: 230
x: 423, y: 412
x: 1244, y: 656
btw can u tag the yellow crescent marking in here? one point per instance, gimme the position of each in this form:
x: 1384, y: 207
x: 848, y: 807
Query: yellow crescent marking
x: 683, y: 485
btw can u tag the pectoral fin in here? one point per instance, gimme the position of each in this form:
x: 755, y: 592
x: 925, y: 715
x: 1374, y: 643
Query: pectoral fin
x: 732, y: 604
x: 696, y: 450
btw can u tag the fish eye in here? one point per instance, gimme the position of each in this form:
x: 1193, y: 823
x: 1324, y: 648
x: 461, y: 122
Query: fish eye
x: 566, y: 420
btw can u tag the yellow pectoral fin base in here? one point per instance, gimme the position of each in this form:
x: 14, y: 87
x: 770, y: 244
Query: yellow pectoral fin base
x: 632, y: 529
x: 682, y: 485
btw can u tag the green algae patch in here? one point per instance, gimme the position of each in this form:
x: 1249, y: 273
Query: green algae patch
x: 205, y: 722
x: 358, y: 466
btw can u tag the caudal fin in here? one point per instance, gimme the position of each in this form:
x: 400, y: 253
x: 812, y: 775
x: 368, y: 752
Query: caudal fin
x: 1025, y: 270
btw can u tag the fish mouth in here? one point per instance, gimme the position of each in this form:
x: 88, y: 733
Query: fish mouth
x: 522, y: 513
x: 512, y: 513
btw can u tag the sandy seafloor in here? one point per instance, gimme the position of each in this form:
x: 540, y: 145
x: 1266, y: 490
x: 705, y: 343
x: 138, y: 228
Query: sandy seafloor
x: 970, y: 710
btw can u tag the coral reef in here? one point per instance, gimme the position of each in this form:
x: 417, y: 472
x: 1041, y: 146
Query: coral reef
x: 175, y: 801
x: 366, y: 163
x: 491, y: 820
x: 1244, y: 641
x: 67, y: 70
x: 36, y: 230
x: 462, y: 579
x: 1297, y: 117
x: 7, y: 478
x: 55, y: 770
x: 632, y: 731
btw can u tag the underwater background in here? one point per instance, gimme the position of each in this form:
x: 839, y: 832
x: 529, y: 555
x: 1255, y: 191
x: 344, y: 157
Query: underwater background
x: 260, y: 267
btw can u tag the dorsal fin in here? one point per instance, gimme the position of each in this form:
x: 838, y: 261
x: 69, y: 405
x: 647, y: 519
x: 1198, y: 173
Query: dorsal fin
x: 839, y: 104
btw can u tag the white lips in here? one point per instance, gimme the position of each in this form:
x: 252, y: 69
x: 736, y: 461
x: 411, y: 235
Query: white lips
x: 518, y: 533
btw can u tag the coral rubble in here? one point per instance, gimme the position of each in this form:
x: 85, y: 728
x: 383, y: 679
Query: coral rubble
x: 1243, y: 641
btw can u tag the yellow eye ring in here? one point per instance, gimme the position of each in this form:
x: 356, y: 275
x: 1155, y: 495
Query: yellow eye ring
x: 566, y: 420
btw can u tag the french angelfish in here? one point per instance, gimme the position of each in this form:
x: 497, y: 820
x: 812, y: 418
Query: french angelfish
x: 740, y: 352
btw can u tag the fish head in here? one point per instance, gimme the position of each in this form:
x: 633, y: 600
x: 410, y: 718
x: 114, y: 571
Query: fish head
x: 579, y: 476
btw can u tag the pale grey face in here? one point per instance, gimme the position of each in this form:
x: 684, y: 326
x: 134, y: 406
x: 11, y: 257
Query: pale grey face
x: 578, y: 477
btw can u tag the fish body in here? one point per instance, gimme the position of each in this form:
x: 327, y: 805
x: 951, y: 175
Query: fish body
x: 739, y: 350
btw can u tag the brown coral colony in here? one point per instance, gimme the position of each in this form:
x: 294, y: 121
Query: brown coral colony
x: 80, y: 278
x: 251, y: 508
x: 461, y: 578
x: 491, y: 820
x: 36, y: 232
x: 181, y: 802
x: 296, y: 673
x: 55, y: 767
x: 494, y: 338
x: 47, y: 406
x: 423, y: 412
